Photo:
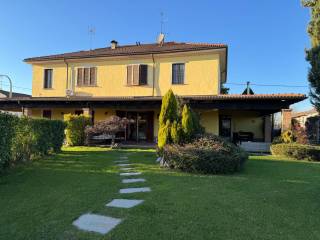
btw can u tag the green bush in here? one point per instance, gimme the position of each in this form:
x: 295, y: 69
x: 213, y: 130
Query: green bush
x: 22, y: 139
x: 7, y: 123
x: 75, y: 129
x: 296, y: 151
x: 164, y: 135
x: 207, y: 154
x: 36, y: 137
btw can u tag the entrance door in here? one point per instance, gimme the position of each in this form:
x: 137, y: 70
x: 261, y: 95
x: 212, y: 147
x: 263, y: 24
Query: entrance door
x: 140, y: 128
x: 225, y: 127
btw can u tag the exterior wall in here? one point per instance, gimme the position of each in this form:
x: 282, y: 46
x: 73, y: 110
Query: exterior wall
x: 202, y: 76
x: 247, y: 121
x: 210, y: 121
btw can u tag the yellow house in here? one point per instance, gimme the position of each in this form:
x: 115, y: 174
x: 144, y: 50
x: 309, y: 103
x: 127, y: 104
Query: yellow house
x: 129, y: 81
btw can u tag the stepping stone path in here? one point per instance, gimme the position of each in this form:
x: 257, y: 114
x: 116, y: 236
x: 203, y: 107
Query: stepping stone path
x: 133, y: 180
x: 135, y: 190
x: 126, y: 169
x: 124, y: 164
x: 124, y: 203
x: 103, y: 224
x: 96, y: 223
x: 130, y: 174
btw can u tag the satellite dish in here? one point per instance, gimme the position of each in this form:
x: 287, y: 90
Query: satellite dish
x: 160, y: 38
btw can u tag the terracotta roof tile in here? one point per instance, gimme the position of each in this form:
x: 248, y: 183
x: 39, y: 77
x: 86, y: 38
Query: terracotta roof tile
x: 126, y: 50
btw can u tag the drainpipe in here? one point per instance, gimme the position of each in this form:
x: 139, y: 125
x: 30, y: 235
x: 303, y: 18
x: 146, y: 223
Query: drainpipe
x: 153, y: 74
x: 10, y: 83
x: 65, y: 61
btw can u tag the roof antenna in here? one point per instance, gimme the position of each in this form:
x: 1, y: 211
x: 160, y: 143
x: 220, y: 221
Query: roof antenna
x: 91, y: 32
x: 160, y: 39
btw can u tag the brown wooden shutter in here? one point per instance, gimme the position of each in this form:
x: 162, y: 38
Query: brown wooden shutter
x: 80, y: 77
x: 143, y: 80
x: 136, y: 75
x: 129, y: 75
x: 86, y: 76
x: 93, y: 76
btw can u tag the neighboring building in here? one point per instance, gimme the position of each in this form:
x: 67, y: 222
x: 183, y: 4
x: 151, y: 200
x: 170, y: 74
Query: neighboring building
x: 129, y: 81
x: 310, y: 120
x: 5, y: 94
x: 302, y: 117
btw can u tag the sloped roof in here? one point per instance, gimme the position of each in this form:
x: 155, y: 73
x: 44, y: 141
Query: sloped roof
x: 137, y: 49
x: 304, y: 113
x: 14, y: 94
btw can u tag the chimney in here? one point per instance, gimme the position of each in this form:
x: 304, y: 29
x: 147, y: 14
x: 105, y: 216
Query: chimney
x: 114, y: 44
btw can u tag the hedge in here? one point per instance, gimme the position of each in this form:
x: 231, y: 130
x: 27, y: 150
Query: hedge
x: 296, y: 151
x: 207, y: 154
x: 23, y: 139
x: 75, y: 129
x: 7, y: 123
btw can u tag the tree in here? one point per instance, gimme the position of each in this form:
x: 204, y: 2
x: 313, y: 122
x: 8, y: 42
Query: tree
x: 313, y: 54
x: 176, y: 132
x: 168, y: 115
x: 111, y: 127
x: 169, y: 109
x: 187, y: 123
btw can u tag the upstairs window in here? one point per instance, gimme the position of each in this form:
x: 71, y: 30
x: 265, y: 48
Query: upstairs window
x: 47, y: 81
x: 46, y: 114
x: 87, y: 77
x: 178, y: 73
x: 137, y: 75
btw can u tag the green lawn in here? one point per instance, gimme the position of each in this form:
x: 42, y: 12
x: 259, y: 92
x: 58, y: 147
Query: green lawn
x: 270, y: 199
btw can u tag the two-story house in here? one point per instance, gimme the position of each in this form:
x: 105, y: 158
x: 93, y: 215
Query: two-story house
x: 130, y: 81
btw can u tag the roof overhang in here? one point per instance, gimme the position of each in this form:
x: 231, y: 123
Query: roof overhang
x: 268, y: 103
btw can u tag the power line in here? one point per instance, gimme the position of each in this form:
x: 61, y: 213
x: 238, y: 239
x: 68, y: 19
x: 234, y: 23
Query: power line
x: 269, y: 85
x: 4, y: 84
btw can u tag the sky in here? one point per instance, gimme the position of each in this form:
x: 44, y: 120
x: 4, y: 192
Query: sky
x: 266, y: 38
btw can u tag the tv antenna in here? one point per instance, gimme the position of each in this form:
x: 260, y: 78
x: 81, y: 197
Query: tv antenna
x: 91, y: 32
x: 162, y: 22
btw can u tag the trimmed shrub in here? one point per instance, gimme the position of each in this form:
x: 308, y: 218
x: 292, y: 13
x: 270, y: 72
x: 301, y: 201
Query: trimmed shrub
x: 75, y: 129
x: 296, y: 151
x: 36, y: 137
x: 208, y: 154
x: 23, y: 139
x: 7, y: 123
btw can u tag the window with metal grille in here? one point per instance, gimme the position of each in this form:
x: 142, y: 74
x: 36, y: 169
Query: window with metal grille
x: 178, y: 73
x: 47, y: 81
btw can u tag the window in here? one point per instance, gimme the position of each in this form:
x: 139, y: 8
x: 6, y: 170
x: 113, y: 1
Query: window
x: 47, y: 78
x: 178, y: 73
x: 46, y: 114
x: 87, y: 76
x: 137, y: 75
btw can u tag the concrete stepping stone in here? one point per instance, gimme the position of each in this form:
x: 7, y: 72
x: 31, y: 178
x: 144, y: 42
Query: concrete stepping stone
x: 121, y: 161
x: 135, y: 190
x: 124, y: 203
x: 124, y: 164
x: 126, y: 169
x: 123, y: 157
x: 130, y: 174
x: 96, y: 223
x: 133, y: 180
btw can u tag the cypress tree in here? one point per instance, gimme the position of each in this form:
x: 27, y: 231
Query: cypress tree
x: 187, y: 123
x: 168, y: 115
x: 313, y: 54
x: 169, y: 109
